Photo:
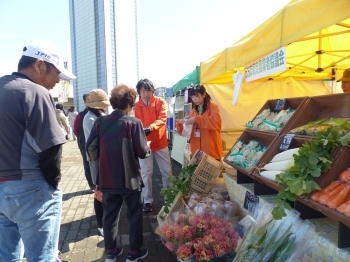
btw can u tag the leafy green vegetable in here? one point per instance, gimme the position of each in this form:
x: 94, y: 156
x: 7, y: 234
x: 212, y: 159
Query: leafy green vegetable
x: 313, y: 159
x: 182, y: 183
x: 285, y: 250
x: 252, y: 241
x: 271, y: 246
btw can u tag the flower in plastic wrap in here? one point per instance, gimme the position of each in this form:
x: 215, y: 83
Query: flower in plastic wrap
x: 204, y: 236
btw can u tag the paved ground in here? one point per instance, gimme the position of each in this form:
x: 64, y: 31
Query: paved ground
x: 79, y: 237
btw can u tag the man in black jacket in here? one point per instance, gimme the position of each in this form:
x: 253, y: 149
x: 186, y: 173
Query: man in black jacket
x: 30, y: 156
x: 79, y: 133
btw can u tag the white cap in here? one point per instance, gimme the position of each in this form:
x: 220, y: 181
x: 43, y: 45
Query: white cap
x: 48, y: 52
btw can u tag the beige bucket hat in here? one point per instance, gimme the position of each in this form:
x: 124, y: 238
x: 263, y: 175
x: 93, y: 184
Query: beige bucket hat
x: 98, y: 99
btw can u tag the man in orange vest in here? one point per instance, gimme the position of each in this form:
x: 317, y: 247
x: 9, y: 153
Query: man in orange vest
x: 152, y: 111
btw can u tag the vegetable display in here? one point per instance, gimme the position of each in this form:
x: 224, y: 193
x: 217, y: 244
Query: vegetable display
x: 313, y: 159
x: 276, y: 240
x: 270, y: 121
x: 180, y: 183
x: 336, y: 195
x: 280, y: 163
x: 322, y: 125
x: 246, y: 155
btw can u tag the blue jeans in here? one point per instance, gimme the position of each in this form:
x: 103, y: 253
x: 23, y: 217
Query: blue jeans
x: 30, y: 213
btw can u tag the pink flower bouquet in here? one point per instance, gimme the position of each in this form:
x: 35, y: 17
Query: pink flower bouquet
x: 204, y: 237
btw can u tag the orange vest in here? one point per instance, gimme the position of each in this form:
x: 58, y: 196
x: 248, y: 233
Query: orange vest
x: 208, y: 124
x: 154, y: 116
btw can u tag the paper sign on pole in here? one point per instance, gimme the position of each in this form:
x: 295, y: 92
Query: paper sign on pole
x: 272, y: 63
x: 237, y: 80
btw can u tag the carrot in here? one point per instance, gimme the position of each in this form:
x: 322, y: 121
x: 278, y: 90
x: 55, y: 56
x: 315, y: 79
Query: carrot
x: 337, y: 199
x: 345, y: 175
x: 316, y: 196
x: 344, y: 208
x: 329, y: 193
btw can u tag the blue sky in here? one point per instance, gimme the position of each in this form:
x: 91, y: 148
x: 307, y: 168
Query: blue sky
x: 175, y: 35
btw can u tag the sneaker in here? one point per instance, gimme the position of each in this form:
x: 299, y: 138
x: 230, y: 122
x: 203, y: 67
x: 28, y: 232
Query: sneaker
x: 147, y: 207
x: 143, y: 252
x: 101, y: 231
x: 113, y: 254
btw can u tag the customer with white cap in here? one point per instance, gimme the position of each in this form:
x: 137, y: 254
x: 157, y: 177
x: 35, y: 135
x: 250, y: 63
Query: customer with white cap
x: 97, y: 106
x: 30, y: 156
x: 345, y: 81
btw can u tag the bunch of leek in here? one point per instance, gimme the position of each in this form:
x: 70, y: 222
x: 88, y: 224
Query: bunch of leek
x: 267, y: 243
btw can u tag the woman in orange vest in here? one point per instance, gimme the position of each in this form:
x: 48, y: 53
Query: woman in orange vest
x: 206, y: 120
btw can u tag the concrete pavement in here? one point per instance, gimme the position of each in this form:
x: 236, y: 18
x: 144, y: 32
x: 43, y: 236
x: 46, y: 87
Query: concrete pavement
x: 79, y: 238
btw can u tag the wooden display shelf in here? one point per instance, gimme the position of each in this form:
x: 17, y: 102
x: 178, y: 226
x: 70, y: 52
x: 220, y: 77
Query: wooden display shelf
x: 298, y: 141
x: 322, y: 107
x: 264, y: 138
x: 311, y: 209
x: 296, y: 103
x: 311, y: 109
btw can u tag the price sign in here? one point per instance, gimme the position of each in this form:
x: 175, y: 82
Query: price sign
x: 250, y: 201
x: 280, y: 103
x: 199, y: 154
x: 286, y: 141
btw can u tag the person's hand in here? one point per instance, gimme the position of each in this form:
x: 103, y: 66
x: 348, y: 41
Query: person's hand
x: 190, y: 120
x: 147, y: 130
x: 182, y: 121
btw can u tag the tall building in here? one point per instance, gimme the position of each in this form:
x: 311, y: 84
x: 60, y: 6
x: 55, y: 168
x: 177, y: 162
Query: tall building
x: 104, y: 44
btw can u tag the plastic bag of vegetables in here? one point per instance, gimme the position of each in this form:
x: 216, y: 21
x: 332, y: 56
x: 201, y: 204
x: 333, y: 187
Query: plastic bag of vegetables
x: 276, y: 240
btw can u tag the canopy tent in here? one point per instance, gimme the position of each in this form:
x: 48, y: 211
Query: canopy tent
x: 316, y: 33
x: 191, y: 78
x: 254, y: 95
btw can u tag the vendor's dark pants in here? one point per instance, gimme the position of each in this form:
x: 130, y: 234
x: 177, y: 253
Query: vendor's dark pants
x: 112, y: 204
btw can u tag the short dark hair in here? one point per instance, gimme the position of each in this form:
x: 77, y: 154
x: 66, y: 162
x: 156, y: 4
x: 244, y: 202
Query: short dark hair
x: 27, y: 61
x: 59, y: 106
x: 122, y: 96
x: 146, y: 84
x: 85, y: 96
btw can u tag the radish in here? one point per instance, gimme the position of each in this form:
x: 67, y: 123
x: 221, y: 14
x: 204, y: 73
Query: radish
x: 280, y: 165
x: 271, y: 175
x: 285, y: 155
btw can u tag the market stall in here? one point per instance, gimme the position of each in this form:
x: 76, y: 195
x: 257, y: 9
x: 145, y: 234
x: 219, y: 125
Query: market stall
x: 293, y: 161
x: 316, y: 47
x: 289, y: 109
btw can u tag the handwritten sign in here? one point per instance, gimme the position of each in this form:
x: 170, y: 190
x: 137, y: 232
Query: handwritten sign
x: 280, y: 103
x: 198, y: 155
x: 250, y: 201
x: 286, y: 141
